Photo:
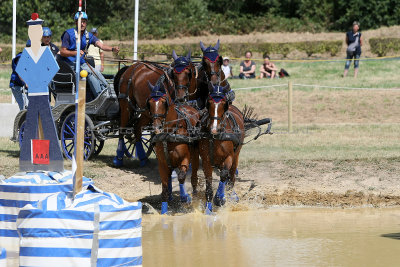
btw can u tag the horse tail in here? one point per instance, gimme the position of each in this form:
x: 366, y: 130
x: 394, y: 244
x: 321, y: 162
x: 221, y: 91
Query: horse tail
x: 118, y: 78
x: 250, y: 119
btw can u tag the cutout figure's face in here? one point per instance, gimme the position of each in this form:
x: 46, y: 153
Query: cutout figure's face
x: 35, y: 33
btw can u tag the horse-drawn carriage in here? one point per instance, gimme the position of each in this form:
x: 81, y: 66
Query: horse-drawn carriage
x: 101, y: 120
x: 183, y: 110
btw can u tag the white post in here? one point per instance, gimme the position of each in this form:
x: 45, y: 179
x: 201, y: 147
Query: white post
x: 135, y: 38
x: 14, y: 36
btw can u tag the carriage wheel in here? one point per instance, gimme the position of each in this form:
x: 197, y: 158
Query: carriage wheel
x: 130, y: 145
x: 98, y: 146
x: 68, y: 136
x: 21, y: 133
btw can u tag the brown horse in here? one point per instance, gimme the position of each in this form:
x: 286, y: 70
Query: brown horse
x: 174, y: 128
x: 225, y: 133
x: 210, y: 71
x: 184, y: 76
x: 132, y: 94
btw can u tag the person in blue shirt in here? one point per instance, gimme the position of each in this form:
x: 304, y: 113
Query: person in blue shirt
x: 68, y: 52
x: 16, y: 83
x: 354, y: 42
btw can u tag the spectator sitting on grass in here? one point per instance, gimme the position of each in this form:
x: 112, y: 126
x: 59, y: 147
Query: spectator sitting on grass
x: 247, y: 67
x: 226, y: 68
x: 268, y: 69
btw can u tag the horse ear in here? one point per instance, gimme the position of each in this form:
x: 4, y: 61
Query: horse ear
x: 151, y: 87
x: 216, y: 47
x: 202, y: 46
x: 174, y: 56
x: 210, y: 87
x: 189, y: 55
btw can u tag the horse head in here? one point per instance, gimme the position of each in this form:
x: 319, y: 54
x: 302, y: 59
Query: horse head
x: 184, y: 76
x: 217, y: 105
x: 212, y: 63
x: 158, y: 104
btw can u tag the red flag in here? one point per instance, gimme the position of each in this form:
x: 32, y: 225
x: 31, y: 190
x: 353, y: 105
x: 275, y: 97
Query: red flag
x: 40, y: 151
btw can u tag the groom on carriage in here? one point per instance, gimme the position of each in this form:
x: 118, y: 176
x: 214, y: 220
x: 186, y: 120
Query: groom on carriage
x: 96, y: 80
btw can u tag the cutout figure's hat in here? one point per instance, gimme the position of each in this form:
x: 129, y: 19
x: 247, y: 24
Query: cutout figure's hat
x: 34, y: 20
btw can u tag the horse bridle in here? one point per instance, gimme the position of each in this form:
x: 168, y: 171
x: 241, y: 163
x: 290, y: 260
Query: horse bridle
x: 213, y: 72
x: 186, y: 87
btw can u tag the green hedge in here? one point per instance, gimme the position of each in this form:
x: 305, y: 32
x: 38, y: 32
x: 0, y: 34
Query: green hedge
x: 382, y: 46
x: 238, y: 49
x: 6, y: 54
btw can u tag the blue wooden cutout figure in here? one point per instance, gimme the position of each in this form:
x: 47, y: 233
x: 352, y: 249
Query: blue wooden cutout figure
x: 37, y: 68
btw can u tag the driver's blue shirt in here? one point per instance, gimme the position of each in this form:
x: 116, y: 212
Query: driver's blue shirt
x: 68, y: 40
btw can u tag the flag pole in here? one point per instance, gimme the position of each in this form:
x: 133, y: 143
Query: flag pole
x: 77, y: 160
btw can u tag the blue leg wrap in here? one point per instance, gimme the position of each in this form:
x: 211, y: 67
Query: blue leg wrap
x: 141, y: 154
x: 219, y: 198
x: 170, y: 189
x: 164, y: 207
x: 237, y: 172
x: 118, y: 159
x: 184, y: 196
x: 208, y: 208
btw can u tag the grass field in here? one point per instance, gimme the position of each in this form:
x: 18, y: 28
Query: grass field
x: 342, y: 139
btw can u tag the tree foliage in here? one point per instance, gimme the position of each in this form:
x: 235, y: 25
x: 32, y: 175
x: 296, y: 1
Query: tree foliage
x: 174, y: 18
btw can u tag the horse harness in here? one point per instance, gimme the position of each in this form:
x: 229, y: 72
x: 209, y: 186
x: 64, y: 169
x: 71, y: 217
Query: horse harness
x: 173, y: 137
x: 234, y: 136
x: 156, y: 68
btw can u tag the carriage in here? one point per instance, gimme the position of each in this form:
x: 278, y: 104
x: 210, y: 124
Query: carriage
x: 101, y: 119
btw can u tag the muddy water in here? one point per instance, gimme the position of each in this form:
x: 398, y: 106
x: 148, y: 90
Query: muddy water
x: 274, y: 237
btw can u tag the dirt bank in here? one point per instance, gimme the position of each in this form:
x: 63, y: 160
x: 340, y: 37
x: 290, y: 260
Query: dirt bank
x: 292, y: 183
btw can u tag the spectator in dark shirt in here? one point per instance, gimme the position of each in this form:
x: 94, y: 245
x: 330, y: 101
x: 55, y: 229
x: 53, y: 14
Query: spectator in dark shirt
x: 354, y: 42
x: 247, y: 67
x: 268, y: 69
x: 68, y: 52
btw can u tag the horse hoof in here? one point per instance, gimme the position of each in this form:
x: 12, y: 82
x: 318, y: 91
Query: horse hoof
x: 164, y: 208
x: 186, y: 199
x: 118, y: 162
x: 219, y: 201
x: 208, y: 208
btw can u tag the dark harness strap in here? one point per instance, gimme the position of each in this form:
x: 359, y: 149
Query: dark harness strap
x: 166, y: 154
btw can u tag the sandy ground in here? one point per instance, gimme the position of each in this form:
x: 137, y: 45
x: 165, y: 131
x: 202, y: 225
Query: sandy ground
x: 287, y: 183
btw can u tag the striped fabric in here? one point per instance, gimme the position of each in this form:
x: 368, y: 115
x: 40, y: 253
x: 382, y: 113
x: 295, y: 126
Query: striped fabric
x: 22, y: 189
x: 94, y: 229
x: 3, y: 257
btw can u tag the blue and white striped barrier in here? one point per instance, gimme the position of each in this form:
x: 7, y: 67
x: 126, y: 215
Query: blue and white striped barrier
x: 94, y: 229
x: 27, y: 188
x: 3, y: 257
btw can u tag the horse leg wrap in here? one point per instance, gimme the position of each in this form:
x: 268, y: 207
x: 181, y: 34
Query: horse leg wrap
x: 118, y: 159
x: 140, y: 153
x: 184, y: 196
x: 170, y: 189
x: 164, y: 207
x: 208, y: 208
x: 219, y: 198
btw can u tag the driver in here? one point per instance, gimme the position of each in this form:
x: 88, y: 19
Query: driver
x: 68, y: 53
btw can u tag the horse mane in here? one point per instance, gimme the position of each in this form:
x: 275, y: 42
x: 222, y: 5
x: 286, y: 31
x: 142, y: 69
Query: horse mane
x: 117, y: 78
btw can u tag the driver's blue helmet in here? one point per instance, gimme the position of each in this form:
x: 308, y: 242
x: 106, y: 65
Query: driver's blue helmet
x: 46, y: 31
x: 84, y: 15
